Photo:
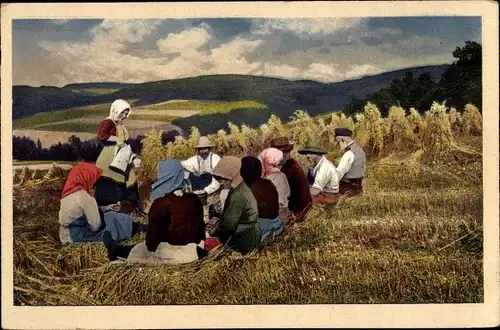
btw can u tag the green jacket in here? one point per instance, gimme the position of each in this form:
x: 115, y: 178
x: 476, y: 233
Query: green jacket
x: 239, y: 227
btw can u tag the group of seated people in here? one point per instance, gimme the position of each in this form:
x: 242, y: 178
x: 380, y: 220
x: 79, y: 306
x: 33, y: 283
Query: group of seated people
x: 258, y: 196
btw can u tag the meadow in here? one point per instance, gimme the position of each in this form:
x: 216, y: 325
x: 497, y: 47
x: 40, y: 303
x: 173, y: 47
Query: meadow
x: 415, y: 235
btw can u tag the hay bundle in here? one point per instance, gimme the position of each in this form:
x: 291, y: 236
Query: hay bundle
x: 455, y: 121
x: 472, y: 121
x: 398, y: 129
x: 437, y: 135
x: 25, y: 175
x: 16, y: 179
x: 75, y: 257
x: 37, y: 175
x: 369, y: 130
x: 54, y: 172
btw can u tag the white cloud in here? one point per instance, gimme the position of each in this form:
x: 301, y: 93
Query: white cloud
x: 188, y: 40
x: 283, y: 70
x: 307, y: 25
x: 323, y: 72
x: 357, y: 71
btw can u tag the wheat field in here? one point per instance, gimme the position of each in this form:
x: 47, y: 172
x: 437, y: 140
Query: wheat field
x: 415, y: 235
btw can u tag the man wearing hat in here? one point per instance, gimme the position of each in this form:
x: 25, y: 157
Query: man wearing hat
x: 323, y: 177
x: 299, y: 201
x: 199, y: 167
x: 352, y: 165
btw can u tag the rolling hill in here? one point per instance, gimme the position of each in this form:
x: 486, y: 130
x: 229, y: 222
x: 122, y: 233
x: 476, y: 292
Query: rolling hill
x: 282, y: 97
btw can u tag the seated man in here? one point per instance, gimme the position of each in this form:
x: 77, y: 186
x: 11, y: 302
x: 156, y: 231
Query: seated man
x: 322, y: 178
x: 352, y: 165
x: 199, y: 168
x: 299, y: 202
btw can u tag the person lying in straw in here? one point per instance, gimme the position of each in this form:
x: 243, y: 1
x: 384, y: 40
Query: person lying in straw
x: 352, y: 165
x: 272, y: 159
x: 300, y: 201
x: 323, y: 177
x: 266, y: 195
x: 176, y: 230
x: 199, y: 168
x: 237, y: 227
x: 114, y: 186
x: 80, y: 218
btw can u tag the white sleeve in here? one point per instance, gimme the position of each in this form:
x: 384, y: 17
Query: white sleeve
x: 215, y: 160
x: 345, y: 164
x: 212, y: 187
x: 321, y: 178
x: 91, y: 211
x: 190, y: 164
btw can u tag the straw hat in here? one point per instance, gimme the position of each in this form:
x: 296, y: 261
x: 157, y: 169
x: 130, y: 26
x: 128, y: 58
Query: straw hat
x: 204, y: 142
x: 282, y: 143
x: 312, y: 148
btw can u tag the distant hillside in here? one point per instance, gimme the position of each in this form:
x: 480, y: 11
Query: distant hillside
x: 27, y: 101
x: 281, y: 96
x: 107, y: 85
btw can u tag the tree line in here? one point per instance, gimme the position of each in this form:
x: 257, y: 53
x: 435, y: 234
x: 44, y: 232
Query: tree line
x: 75, y: 149
x: 460, y: 83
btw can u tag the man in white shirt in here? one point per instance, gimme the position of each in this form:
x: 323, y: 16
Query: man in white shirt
x: 199, y: 168
x: 352, y: 166
x: 323, y: 177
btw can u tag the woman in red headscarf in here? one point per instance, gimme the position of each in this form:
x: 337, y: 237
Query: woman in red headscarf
x: 81, y: 220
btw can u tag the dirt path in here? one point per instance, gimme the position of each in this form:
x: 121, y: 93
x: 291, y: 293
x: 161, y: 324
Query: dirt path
x: 43, y: 166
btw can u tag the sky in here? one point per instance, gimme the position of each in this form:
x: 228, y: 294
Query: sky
x: 59, y: 52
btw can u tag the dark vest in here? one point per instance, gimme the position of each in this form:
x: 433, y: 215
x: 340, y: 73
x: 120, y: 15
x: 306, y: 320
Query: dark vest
x: 358, y: 167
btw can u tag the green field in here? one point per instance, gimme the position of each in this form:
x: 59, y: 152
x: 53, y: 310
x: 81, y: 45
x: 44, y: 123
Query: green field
x: 207, y: 107
x: 101, y: 110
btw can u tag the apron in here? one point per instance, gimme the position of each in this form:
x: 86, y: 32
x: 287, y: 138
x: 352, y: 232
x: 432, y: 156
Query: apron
x: 108, y: 154
x: 202, y: 180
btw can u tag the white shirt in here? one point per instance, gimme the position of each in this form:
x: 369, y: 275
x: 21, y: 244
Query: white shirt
x: 325, y: 177
x: 198, y: 165
x: 345, y: 164
x: 74, y: 206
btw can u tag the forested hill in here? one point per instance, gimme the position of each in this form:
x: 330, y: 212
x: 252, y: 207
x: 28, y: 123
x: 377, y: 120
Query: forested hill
x: 281, y: 96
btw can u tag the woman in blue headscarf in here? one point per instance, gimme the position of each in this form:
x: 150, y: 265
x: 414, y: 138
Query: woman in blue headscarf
x: 176, y: 230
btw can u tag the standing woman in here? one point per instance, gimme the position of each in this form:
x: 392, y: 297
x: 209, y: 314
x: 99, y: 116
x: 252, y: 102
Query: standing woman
x: 114, y: 187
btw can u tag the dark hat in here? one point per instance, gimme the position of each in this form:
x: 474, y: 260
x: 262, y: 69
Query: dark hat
x: 343, y: 132
x: 312, y: 150
x: 282, y: 144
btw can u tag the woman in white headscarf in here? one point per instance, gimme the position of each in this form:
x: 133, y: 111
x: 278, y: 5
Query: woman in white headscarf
x: 114, y: 187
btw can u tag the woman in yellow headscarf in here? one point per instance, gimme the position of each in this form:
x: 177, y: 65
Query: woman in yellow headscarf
x: 114, y: 187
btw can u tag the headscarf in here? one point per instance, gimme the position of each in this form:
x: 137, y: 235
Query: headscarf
x: 270, y: 159
x: 117, y: 107
x: 82, y: 176
x: 229, y: 168
x: 170, y: 178
x: 251, y: 169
